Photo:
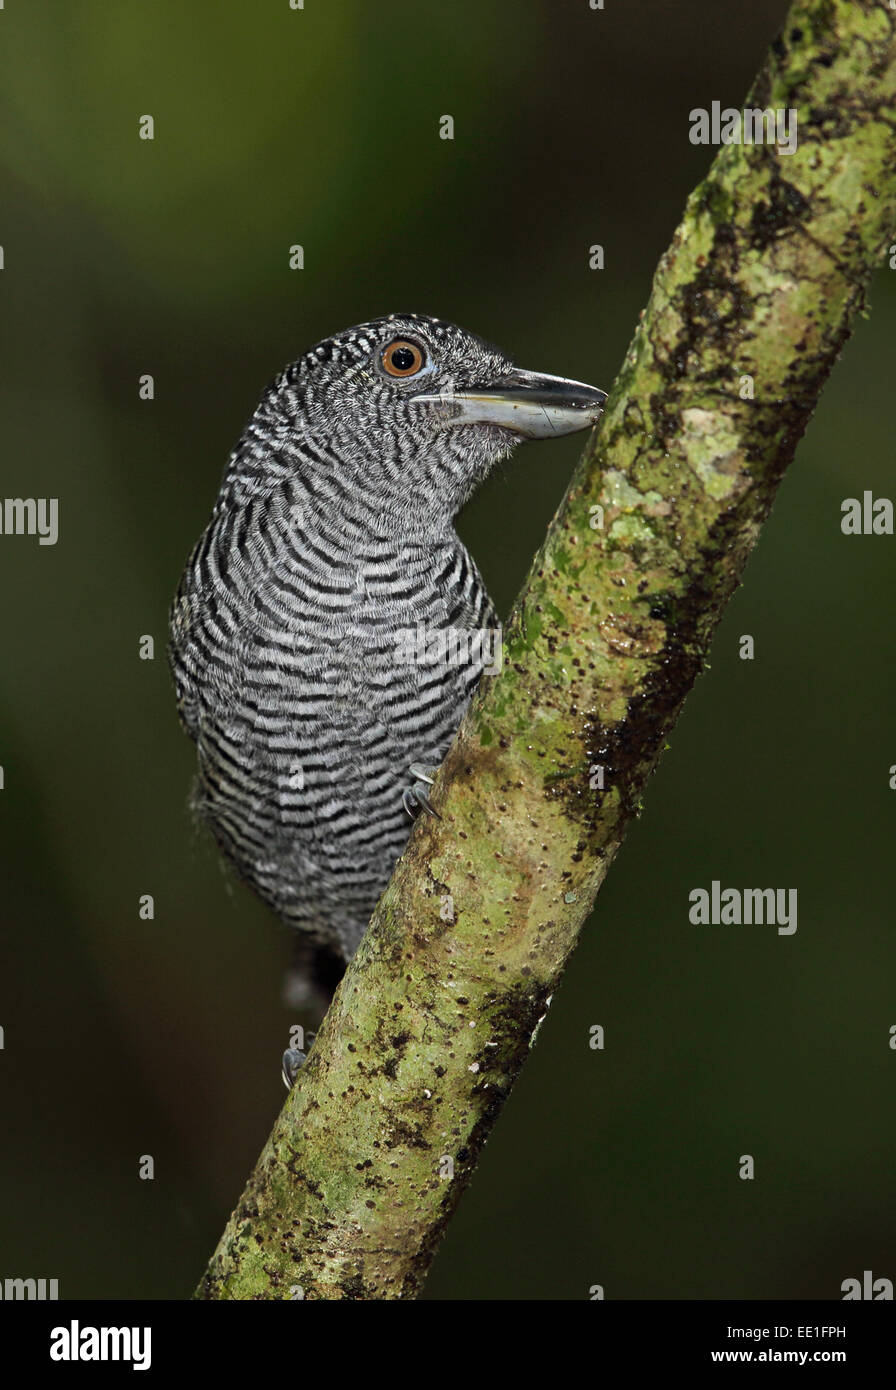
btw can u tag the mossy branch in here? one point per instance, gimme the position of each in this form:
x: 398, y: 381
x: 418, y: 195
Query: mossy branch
x: 436, y: 1014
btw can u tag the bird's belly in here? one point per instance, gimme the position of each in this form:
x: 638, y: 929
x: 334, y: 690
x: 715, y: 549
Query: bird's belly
x: 302, y: 778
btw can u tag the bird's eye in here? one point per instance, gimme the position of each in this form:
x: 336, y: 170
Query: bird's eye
x: 402, y: 358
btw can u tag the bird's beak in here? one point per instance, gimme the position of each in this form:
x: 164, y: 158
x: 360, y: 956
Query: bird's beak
x: 529, y: 403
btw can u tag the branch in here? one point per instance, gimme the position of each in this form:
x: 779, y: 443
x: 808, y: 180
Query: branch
x: 438, y: 1009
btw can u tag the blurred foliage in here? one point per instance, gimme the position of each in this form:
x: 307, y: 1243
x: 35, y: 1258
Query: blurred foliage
x: 125, y: 1037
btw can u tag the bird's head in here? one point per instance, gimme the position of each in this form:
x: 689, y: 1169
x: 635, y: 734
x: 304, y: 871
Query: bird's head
x: 413, y: 412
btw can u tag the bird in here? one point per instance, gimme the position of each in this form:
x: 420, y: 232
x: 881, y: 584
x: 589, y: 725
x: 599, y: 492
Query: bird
x: 330, y: 627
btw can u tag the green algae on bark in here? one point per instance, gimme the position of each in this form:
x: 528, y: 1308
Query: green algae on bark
x: 749, y: 309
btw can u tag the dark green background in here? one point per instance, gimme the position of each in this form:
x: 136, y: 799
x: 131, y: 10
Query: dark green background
x: 126, y: 1037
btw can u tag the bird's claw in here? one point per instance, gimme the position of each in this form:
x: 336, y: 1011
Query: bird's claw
x: 416, y: 795
x: 293, y: 1061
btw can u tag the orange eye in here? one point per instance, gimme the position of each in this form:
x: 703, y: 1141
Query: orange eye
x: 402, y: 358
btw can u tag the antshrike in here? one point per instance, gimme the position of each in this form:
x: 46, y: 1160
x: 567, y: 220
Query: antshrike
x: 296, y: 646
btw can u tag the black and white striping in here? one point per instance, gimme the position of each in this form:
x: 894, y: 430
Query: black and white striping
x: 310, y: 627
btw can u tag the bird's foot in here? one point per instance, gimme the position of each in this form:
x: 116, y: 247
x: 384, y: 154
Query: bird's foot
x: 416, y: 797
x: 293, y: 1061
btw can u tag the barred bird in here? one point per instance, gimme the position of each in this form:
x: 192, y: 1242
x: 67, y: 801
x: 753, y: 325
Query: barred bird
x: 302, y: 631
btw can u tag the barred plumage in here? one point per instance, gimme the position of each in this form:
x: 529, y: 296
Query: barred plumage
x: 331, y: 541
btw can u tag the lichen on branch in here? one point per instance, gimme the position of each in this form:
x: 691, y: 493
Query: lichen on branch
x: 749, y: 309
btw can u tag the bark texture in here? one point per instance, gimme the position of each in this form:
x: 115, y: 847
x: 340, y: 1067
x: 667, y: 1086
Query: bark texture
x: 438, y: 1010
